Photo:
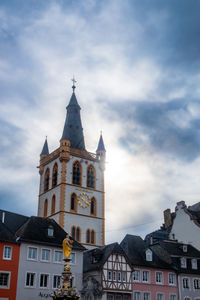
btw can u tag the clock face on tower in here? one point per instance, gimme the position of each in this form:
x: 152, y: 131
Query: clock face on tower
x: 83, y: 200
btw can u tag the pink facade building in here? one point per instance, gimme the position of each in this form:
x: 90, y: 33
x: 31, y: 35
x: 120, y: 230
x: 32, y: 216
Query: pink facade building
x: 154, y: 283
x: 153, y: 277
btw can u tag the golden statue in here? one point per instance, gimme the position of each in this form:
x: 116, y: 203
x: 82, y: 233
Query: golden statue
x: 67, y: 246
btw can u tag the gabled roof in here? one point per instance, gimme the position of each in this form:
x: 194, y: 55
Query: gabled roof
x: 95, y: 259
x: 35, y: 230
x: 135, y: 248
x: 73, y: 130
x: 175, y: 251
x: 6, y: 235
x: 12, y: 220
x: 175, y: 248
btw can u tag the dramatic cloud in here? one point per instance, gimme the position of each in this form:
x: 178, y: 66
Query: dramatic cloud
x: 137, y: 64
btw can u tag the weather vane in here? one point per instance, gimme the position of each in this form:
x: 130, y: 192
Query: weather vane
x: 73, y: 86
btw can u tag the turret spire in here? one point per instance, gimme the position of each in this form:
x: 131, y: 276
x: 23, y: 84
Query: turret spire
x: 73, y: 130
x: 101, y: 147
x: 45, y: 149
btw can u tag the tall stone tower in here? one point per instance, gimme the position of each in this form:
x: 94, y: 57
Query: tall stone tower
x: 72, y: 182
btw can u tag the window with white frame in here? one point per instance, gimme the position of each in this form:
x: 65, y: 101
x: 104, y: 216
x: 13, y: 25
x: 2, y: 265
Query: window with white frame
x: 7, y: 252
x: 185, y: 283
x: 58, y: 255
x: 123, y: 276
x: 56, y: 281
x: 159, y: 277
x: 30, y: 279
x: 4, y: 280
x: 44, y: 278
x: 50, y: 231
x: 194, y: 264
x: 137, y: 296
x: 114, y: 276
x: 109, y: 275
x: 119, y: 276
x: 145, y: 276
x: 172, y: 297
x: 45, y: 256
x: 172, y: 279
x: 146, y: 296
x: 32, y: 253
x: 183, y: 262
x: 148, y: 255
x: 159, y: 296
x: 73, y: 258
x: 196, y: 284
x: 136, y: 275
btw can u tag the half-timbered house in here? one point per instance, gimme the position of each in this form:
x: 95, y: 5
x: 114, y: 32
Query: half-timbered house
x: 107, y: 274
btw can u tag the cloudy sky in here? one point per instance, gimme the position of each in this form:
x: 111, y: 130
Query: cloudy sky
x: 137, y: 66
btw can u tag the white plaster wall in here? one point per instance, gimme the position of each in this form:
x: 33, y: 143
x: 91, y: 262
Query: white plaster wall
x: 84, y: 223
x: 50, y: 166
x: 51, y: 268
x: 184, y: 229
x: 48, y: 195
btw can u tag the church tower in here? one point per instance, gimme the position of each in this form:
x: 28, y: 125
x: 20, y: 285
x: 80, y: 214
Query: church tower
x: 72, y: 182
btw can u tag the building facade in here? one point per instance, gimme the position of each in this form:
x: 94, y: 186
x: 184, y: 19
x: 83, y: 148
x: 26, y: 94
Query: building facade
x: 9, y: 261
x: 187, y: 217
x: 72, y: 182
x: 154, y: 277
x: 41, y: 259
x: 107, y: 274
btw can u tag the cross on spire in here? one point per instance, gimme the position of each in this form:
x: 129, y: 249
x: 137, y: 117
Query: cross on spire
x: 73, y: 86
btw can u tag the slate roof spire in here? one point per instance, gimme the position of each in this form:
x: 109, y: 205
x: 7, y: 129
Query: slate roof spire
x: 73, y: 130
x: 45, y: 149
x: 101, y: 147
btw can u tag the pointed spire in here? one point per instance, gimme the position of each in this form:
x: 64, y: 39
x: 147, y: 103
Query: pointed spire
x: 45, y: 149
x: 73, y: 130
x: 101, y: 147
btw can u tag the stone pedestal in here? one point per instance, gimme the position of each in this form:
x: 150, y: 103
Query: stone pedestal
x: 66, y: 290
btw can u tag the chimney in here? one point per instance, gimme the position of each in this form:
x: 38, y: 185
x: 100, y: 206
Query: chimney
x: 167, y: 218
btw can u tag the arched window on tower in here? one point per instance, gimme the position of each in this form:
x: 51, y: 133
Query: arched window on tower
x: 91, y: 176
x: 78, y: 234
x: 92, y: 237
x: 46, y: 180
x: 55, y: 175
x: 88, y: 236
x: 45, y: 208
x: 76, y: 176
x: 93, y: 208
x: 73, y: 203
x: 73, y: 232
x: 53, y: 204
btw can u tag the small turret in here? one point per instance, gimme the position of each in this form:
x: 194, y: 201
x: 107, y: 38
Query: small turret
x: 43, y: 154
x: 45, y: 149
x: 101, y: 151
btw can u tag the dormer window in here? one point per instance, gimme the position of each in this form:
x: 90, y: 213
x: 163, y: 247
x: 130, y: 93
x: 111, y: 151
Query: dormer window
x: 148, y: 255
x: 194, y: 264
x: 50, y: 231
x: 183, y: 262
x: 185, y: 248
